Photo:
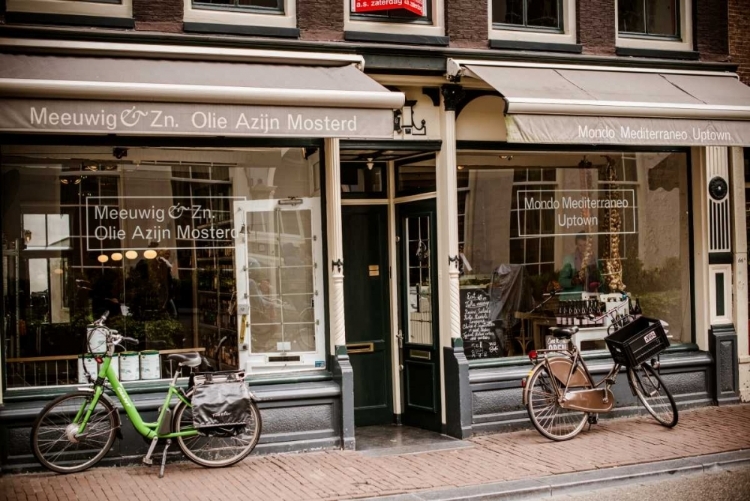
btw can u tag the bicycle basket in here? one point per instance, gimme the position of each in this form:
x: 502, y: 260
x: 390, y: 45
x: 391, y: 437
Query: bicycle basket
x: 221, y: 408
x: 637, y: 341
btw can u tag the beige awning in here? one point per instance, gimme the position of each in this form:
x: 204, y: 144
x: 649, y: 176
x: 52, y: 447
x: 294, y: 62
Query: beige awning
x: 576, y: 104
x: 55, y: 93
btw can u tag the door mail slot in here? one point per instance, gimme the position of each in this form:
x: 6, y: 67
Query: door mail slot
x: 421, y: 354
x: 374, y: 270
x: 360, y: 348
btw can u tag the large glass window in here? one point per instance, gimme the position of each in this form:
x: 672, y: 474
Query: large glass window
x: 534, y: 14
x: 649, y: 17
x: 610, y: 231
x: 163, y: 239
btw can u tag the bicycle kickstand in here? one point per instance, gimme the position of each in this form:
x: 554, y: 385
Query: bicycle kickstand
x: 147, y: 459
x: 164, y: 458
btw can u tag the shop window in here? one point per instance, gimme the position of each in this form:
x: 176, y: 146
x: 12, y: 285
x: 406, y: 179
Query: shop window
x: 535, y: 253
x: 100, y: 8
x: 367, y: 16
x: 603, y: 229
x: 263, y: 13
x: 545, y: 21
x: 416, y: 179
x: 654, y: 24
x: 161, y: 239
x: 366, y: 179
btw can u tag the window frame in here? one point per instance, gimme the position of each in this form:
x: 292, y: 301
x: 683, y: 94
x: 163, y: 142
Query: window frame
x: 396, y: 27
x: 683, y: 41
x: 233, y: 16
x: 241, y: 8
x: 534, y: 29
x: 510, y: 32
x: 98, y: 8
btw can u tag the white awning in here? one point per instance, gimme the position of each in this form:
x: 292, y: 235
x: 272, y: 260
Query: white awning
x: 611, y: 105
x: 63, y: 93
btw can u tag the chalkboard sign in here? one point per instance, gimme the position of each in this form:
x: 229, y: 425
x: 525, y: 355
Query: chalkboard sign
x: 477, y: 328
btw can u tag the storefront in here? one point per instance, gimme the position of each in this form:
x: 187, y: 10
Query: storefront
x: 594, y: 182
x: 185, y: 192
x: 364, y: 268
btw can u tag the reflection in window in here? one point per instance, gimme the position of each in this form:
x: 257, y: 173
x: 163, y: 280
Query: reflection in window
x: 649, y: 17
x: 46, y: 231
x: 535, y: 14
x: 592, y: 225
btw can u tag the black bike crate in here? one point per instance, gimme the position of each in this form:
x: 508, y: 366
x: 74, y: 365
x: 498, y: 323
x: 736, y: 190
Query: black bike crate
x: 637, y: 342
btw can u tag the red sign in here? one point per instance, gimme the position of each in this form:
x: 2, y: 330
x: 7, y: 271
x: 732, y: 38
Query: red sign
x: 414, y: 6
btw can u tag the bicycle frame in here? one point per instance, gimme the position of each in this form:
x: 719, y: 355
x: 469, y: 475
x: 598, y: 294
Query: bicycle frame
x: 577, y: 371
x: 148, y: 430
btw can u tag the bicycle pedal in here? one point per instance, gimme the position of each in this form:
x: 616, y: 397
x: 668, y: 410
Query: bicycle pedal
x: 593, y: 419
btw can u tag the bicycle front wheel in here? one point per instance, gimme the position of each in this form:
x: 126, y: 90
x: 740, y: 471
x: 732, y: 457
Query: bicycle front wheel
x: 545, y: 412
x: 217, y: 450
x: 56, y: 442
x: 655, y: 397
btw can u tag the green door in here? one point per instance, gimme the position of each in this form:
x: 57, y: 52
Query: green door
x: 417, y: 230
x: 366, y: 307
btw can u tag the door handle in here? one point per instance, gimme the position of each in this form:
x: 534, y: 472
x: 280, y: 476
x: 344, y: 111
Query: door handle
x: 360, y: 348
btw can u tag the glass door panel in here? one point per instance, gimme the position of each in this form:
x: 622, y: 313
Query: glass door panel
x: 280, y: 275
x: 419, y: 328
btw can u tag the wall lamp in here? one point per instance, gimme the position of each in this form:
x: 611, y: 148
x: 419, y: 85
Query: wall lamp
x: 403, y: 120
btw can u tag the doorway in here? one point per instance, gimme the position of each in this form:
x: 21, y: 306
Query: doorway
x: 367, y: 311
x: 418, y: 319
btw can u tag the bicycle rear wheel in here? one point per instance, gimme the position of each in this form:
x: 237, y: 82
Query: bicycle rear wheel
x: 54, y: 435
x: 546, y: 414
x: 655, y: 397
x: 213, y: 451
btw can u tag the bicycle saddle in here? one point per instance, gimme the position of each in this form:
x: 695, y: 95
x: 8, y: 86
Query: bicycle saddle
x: 191, y: 359
x: 563, y: 332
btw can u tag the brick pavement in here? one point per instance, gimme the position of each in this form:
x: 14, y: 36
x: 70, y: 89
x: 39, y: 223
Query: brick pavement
x: 338, y: 474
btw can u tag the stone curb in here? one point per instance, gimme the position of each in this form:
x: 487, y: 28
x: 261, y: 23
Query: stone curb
x: 568, y: 483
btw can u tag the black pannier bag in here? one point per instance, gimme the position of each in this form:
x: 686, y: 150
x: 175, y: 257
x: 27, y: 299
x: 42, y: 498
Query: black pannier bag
x: 221, y: 408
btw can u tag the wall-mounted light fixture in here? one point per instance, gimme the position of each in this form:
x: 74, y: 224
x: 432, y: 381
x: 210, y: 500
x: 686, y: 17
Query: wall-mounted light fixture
x: 27, y: 235
x: 403, y: 120
x: 370, y: 163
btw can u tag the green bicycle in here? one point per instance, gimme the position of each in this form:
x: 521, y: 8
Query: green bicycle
x: 75, y: 431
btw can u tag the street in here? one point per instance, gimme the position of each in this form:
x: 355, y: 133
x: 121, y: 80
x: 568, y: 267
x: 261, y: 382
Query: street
x: 723, y: 485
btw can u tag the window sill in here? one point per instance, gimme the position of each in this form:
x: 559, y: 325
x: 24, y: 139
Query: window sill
x: 240, y: 29
x: 69, y: 20
x: 364, y: 36
x: 658, y: 53
x: 570, y: 48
